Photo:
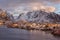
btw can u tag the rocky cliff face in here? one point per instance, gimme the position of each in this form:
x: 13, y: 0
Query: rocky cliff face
x: 40, y: 17
x: 5, y: 16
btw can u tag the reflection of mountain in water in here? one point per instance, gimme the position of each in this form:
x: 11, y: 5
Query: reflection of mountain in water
x: 40, y: 16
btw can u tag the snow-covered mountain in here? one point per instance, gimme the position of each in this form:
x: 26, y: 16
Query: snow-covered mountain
x: 40, y: 17
x: 32, y: 16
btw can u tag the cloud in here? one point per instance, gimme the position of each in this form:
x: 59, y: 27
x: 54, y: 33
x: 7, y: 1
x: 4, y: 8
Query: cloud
x: 54, y: 1
x: 13, y: 3
x: 49, y: 9
x: 27, y: 5
x: 34, y: 6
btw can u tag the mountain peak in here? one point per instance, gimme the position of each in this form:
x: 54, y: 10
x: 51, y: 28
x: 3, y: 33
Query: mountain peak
x: 40, y: 17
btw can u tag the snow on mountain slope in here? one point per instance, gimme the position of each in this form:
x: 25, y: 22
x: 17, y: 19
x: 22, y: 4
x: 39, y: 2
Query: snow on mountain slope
x: 40, y: 16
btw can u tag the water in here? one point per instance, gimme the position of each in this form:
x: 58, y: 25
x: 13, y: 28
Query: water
x: 20, y: 34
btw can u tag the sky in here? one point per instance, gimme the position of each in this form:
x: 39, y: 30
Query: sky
x: 18, y: 6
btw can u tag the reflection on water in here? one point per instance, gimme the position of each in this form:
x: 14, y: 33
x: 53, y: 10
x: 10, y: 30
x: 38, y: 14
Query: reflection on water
x: 19, y: 34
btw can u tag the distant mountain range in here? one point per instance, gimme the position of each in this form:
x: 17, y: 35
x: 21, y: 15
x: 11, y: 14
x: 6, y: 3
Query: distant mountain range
x: 40, y: 17
x: 37, y: 16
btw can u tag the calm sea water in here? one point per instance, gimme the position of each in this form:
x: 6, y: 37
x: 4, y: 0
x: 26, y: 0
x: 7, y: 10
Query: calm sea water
x: 20, y: 34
